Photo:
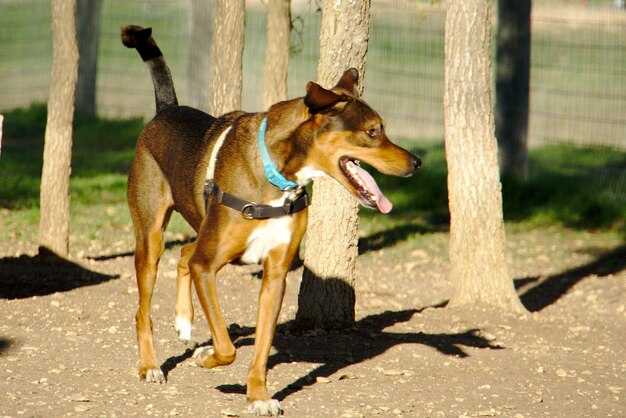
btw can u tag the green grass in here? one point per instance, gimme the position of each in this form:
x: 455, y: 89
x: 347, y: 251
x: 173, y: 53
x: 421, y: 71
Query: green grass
x: 102, y: 152
x: 575, y: 187
x: 101, y: 155
x: 568, y: 187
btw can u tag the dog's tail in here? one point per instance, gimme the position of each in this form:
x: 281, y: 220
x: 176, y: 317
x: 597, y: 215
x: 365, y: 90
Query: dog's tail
x: 141, y: 39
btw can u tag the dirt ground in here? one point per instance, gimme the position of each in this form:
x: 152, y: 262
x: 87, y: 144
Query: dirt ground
x: 67, y: 343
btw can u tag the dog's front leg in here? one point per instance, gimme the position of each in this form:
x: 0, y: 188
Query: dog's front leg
x: 209, y: 257
x: 223, y: 351
x: 275, y: 268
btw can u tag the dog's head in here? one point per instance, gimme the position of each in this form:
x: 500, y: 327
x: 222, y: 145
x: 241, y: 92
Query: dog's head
x: 349, y: 131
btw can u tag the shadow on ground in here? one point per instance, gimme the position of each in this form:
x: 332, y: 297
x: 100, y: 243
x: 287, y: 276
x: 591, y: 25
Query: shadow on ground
x: 44, y: 274
x: 550, y: 289
x: 367, y: 340
x: 5, y: 345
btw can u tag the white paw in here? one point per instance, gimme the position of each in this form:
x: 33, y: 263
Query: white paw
x: 201, y: 353
x: 154, y: 376
x: 270, y: 408
x: 183, y: 328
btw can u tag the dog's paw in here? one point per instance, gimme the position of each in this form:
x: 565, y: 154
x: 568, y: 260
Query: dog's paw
x: 153, y: 376
x: 269, y: 408
x: 207, y: 357
x: 200, y: 354
x: 183, y: 328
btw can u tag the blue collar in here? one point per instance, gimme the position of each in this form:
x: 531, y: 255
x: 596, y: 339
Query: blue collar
x: 272, y: 174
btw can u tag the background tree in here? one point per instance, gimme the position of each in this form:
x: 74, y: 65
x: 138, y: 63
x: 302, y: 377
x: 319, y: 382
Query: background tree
x: 327, y: 298
x: 88, y: 29
x: 229, y: 23
x: 277, y: 52
x: 512, y: 86
x: 55, y: 178
x: 478, y: 262
x: 199, y: 57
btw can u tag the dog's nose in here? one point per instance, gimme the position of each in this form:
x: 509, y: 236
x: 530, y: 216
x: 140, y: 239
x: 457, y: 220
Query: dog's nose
x: 416, y: 163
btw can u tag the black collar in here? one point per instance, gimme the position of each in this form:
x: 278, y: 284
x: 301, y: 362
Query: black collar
x: 298, y: 200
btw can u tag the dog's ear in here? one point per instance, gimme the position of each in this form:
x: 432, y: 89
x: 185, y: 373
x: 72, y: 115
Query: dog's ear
x: 319, y: 100
x: 349, y: 81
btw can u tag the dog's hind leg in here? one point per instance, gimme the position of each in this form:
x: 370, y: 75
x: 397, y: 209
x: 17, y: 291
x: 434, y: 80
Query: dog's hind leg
x: 150, y: 207
x: 184, y: 306
x: 148, y: 250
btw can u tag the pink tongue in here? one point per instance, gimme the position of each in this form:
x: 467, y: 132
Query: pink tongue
x: 384, y: 205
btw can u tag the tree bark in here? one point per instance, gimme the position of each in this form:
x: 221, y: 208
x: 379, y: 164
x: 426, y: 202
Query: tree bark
x: 227, y: 44
x: 55, y: 191
x: 512, y: 86
x: 277, y: 51
x: 327, y: 296
x: 1, y: 126
x: 478, y: 261
x: 88, y: 28
x: 199, y: 58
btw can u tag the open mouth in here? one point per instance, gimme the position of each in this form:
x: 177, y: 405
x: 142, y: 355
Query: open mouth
x: 365, y: 185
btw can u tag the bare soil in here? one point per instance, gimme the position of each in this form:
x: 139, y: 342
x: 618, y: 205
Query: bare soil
x: 67, y: 343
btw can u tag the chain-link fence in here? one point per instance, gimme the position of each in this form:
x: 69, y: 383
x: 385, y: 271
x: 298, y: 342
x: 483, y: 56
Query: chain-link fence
x: 578, y: 65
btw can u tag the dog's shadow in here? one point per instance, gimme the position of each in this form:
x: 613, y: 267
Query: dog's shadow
x: 367, y: 340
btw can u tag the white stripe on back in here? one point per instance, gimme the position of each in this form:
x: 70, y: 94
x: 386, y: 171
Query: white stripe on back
x: 210, y: 172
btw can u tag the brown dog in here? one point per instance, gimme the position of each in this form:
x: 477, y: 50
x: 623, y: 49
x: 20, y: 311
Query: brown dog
x: 243, y: 206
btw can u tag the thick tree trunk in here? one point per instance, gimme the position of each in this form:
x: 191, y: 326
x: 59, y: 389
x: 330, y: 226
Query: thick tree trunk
x: 55, y: 191
x: 199, y: 58
x: 327, y: 297
x: 227, y: 44
x: 512, y: 86
x: 478, y: 262
x: 88, y: 21
x: 276, y: 52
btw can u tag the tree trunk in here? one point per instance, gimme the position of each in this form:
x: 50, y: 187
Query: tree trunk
x: 57, y: 155
x: 88, y: 21
x: 512, y: 86
x: 276, y: 52
x: 1, y: 125
x: 478, y: 262
x: 199, y: 58
x: 327, y: 297
x: 227, y: 44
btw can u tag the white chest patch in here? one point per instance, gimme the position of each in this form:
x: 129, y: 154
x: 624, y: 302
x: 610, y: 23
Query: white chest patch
x: 271, y: 234
x: 263, y: 239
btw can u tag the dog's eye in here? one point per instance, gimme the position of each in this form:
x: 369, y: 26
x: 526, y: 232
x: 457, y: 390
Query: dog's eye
x: 373, y: 132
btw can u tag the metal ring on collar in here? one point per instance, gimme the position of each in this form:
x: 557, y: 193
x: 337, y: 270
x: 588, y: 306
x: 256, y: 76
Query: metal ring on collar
x: 248, y: 211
